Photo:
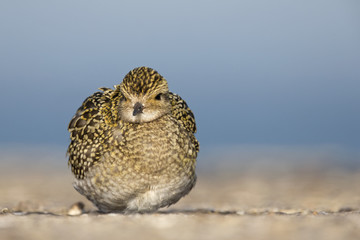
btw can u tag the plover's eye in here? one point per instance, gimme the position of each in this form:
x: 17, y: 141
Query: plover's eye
x: 158, y: 97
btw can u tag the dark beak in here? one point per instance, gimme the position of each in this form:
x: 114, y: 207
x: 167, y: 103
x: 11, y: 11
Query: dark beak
x: 138, y: 108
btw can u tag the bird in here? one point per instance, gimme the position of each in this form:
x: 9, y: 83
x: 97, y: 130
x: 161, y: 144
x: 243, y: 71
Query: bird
x: 133, y: 148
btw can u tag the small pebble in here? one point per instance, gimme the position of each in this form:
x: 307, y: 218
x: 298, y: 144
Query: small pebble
x: 290, y: 211
x: 76, y: 209
x: 345, y: 209
x: 4, y: 210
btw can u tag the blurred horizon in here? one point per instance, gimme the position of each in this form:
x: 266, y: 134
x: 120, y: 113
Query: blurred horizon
x: 222, y: 159
x: 257, y: 74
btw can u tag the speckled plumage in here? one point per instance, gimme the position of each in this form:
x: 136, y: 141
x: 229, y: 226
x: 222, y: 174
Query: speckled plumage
x: 133, y: 148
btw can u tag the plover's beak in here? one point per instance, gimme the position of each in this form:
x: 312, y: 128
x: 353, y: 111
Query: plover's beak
x: 138, y: 108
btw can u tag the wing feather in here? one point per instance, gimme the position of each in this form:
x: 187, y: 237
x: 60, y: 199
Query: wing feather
x: 89, y: 133
x: 181, y: 111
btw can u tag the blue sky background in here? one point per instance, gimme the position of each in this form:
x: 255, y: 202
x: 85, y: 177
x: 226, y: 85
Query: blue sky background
x: 254, y: 72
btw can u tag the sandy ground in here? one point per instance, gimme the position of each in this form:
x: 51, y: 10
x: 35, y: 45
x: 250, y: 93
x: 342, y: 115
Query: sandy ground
x: 232, y: 203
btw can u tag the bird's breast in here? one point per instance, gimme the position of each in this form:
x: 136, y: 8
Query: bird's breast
x: 153, y: 147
